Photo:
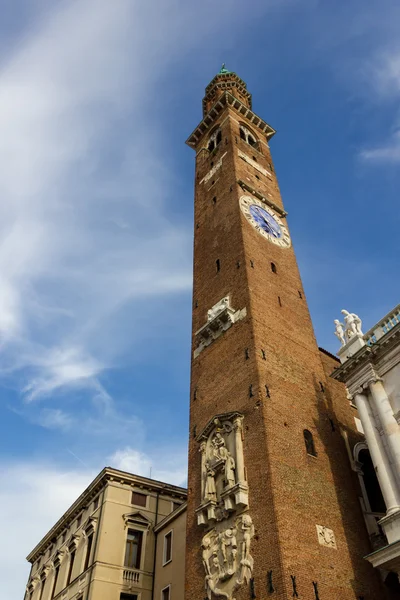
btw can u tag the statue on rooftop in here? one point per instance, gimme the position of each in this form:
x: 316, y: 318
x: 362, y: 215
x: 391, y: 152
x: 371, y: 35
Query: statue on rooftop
x: 339, y: 331
x: 353, y: 324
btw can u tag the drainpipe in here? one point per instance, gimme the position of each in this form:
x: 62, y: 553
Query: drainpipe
x: 155, y: 548
x: 96, y: 543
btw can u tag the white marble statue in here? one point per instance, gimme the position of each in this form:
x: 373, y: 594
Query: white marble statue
x: 352, y: 324
x: 210, y: 491
x: 339, y: 331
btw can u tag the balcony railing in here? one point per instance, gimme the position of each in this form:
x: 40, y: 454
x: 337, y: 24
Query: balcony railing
x: 384, y: 326
x: 130, y: 576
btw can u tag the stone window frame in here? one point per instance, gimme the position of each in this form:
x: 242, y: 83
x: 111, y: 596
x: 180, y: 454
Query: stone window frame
x: 89, y: 528
x: 56, y: 565
x: 72, y: 547
x: 137, y: 529
x: 165, y: 561
x: 167, y: 587
x: 136, y: 522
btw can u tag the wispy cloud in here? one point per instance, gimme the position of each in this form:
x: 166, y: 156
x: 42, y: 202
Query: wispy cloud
x: 387, y: 153
x: 65, y: 266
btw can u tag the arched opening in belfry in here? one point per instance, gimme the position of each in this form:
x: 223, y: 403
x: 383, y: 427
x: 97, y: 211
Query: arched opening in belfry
x: 371, y: 483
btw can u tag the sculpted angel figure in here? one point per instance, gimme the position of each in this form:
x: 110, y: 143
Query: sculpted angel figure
x: 339, y: 331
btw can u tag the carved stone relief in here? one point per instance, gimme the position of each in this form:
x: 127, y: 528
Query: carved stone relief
x: 326, y: 537
x: 224, y: 491
x: 226, y: 556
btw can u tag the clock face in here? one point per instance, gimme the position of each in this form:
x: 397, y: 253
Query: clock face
x: 265, y: 221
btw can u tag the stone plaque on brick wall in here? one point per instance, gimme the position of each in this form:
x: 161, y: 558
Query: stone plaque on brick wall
x: 326, y: 537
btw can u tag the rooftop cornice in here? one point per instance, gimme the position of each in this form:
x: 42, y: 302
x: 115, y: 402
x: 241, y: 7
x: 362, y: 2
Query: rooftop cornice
x: 227, y: 99
x: 106, y: 475
x: 372, y: 354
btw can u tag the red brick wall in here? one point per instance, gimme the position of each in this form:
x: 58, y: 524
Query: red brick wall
x: 289, y: 491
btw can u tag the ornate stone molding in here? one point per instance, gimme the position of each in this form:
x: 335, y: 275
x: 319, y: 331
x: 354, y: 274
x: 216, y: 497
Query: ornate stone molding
x: 223, y: 485
x: 219, y: 318
x: 359, y: 382
x: 137, y: 518
x: 224, y: 499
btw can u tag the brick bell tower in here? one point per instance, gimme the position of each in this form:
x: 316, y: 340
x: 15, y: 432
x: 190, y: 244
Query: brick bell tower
x: 273, y: 507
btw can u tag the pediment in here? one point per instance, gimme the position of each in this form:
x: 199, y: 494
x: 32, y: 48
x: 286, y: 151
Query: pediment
x: 216, y: 421
x: 137, y: 518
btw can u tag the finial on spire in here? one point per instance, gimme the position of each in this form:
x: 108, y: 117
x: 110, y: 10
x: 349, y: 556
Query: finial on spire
x: 223, y: 70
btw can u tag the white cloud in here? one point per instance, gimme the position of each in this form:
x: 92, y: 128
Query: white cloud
x: 32, y: 498
x: 170, y: 467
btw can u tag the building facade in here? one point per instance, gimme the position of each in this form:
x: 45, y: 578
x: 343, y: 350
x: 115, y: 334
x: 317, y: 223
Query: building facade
x: 112, y: 542
x: 273, y: 504
x: 371, y: 371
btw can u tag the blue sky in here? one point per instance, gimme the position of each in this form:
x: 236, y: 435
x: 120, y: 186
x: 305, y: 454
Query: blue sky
x: 96, y: 201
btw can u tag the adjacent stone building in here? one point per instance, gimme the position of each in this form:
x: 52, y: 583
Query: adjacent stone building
x: 371, y: 371
x: 123, y: 539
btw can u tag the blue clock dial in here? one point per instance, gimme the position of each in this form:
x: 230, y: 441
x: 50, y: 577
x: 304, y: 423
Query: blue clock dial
x: 265, y: 221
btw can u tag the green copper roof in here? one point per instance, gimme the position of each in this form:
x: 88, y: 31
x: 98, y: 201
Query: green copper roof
x: 223, y: 70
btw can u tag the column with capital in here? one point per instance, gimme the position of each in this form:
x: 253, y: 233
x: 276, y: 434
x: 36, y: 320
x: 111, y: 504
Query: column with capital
x: 386, y: 478
x: 389, y: 424
x: 202, y: 450
x: 237, y: 426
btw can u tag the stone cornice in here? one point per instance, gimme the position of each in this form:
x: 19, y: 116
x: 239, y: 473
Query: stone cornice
x: 375, y: 355
x: 99, y: 483
x: 213, y: 114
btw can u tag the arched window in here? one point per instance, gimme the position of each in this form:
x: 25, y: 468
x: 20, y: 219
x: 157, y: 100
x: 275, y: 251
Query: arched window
x: 248, y: 136
x: 273, y: 267
x: 215, y: 139
x: 309, y: 442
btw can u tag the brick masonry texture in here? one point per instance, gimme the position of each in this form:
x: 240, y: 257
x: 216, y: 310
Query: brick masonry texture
x: 290, y: 492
